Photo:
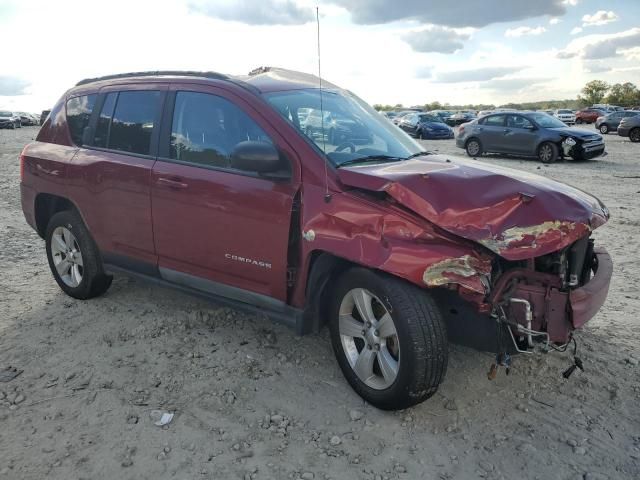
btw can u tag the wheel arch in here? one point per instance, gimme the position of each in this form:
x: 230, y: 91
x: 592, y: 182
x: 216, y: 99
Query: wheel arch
x: 46, y: 206
x: 324, y: 268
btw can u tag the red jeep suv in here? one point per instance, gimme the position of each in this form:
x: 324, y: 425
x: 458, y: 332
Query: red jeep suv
x: 215, y: 185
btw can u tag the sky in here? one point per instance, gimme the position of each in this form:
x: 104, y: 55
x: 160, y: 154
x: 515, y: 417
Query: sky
x: 402, y: 51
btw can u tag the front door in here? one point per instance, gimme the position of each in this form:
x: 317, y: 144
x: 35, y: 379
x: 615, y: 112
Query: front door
x: 519, y: 136
x: 216, y: 227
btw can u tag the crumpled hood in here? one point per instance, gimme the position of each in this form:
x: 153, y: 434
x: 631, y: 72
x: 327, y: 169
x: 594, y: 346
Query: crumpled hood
x: 577, y: 132
x: 515, y: 214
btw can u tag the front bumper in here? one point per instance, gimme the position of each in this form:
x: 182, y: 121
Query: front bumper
x: 6, y: 123
x: 553, y: 311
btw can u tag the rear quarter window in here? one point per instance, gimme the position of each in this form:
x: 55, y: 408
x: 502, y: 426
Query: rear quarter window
x: 79, y: 111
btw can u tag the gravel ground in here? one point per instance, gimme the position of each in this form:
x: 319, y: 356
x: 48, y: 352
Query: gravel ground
x: 253, y: 401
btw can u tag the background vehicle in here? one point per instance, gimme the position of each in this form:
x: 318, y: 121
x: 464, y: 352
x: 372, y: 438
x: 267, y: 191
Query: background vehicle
x: 362, y: 245
x: 424, y: 126
x: 529, y: 134
x: 565, y: 116
x: 610, y: 122
x: 460, y: 118
x: 588, y: 115
x: 26, y: 119
x: 336, y: 128
x: 442, y: 114
x: 9, y: 119
x: 43, y: 116
x: 398, y: 117
x: 630, y: 127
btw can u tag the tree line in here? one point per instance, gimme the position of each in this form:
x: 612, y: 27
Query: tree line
x: 596, y: 91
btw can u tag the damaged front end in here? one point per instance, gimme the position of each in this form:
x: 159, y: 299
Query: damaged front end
x: 544, y: 299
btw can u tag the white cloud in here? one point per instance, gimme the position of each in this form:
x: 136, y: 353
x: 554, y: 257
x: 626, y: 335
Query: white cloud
x: 475, y: 75
x: 554, y: 21
x: 572, y: 3
x: 596, y: 67
x: 522, y: 31
x: 465, y: 13
x: 611, y: 45
x: 436, y: 39
x: 576, y: 30
x: 601, y: 17
x: 11, y: 86
x: 262, y: 12
x: 424, y: 72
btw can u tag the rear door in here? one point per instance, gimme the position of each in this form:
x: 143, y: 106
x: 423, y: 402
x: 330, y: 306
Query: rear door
x: 492, y: 130
x: 219, y: 229
x: 110, y: 175
x: 519, y: 135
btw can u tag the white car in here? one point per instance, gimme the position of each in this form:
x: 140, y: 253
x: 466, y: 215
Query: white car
x: 566, y: 116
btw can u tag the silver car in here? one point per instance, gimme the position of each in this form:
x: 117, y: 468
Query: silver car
x: 533, y: 134
x: 9, y: 120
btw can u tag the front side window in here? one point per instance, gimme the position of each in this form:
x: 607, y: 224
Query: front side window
x: 206, y: 129
x: 79, y: 111
x: 518, y: 121
x: 350, y: 129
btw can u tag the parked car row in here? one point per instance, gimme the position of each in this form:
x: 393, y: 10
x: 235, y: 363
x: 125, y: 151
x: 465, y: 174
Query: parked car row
x: 10, y: 119
x: 610, y: 122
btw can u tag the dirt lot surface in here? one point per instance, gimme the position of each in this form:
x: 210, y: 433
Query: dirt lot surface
x: 253, y: 401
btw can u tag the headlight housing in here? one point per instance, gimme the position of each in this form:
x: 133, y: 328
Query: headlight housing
x: 569, y: 141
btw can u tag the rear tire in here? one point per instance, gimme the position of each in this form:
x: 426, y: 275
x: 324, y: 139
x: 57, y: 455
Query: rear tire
x: 547, y: 152
x: 74, y: 258
x: 473, y: 147
x: 401, y: 357
x: 579, y: 121
x: 634, y: 135
x: 604, y: 129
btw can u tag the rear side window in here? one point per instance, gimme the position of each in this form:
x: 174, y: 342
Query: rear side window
x: 79, y: 111
x: 104, y: 121
x: 494, y: 121
x: 127, y: 120
x: 206, y: 128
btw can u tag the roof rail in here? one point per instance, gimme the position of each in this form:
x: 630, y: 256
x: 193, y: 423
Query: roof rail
x: 177, y: 73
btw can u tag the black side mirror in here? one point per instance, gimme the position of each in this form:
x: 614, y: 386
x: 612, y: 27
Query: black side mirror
x: 260, y: 157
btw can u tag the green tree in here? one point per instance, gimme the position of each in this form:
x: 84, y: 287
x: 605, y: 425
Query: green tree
x: 624, y: 94
x: 594, y: 92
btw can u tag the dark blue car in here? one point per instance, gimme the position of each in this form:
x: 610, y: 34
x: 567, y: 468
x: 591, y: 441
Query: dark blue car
x: 425, y: 126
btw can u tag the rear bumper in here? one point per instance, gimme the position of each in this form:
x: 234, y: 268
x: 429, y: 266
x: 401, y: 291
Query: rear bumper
x: 623, y: 131
x: 28, y: 199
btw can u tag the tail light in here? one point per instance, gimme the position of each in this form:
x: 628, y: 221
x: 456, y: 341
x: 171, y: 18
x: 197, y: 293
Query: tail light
x: 22, y: 159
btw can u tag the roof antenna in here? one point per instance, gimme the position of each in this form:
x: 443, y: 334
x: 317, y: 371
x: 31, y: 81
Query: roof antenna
x: 327, y: 195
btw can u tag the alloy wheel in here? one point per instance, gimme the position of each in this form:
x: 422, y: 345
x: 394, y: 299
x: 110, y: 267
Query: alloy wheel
x: 604, y: 128
x: 634, y: 135
x: 473, y: 148
x: 546, y: 153
x: 369, y: 338
x: 67, y: 257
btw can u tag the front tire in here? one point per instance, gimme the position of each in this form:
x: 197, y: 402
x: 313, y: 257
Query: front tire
x: 579, y: 121
x: 74, y: 258
x: 548, y: 152
x: 634, y: 135
x: 389, y: 339
x: 474, y: 148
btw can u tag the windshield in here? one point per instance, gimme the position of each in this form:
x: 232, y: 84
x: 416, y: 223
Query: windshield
x: 565, y: 111
x: 547, y: 121
x: 349, y: 129
x: 430, y: 118
x: 6, y: 114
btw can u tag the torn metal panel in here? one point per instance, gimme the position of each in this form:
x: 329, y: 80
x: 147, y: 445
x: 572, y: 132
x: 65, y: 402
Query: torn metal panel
x: 515, y: 214
x: 468, y: 271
